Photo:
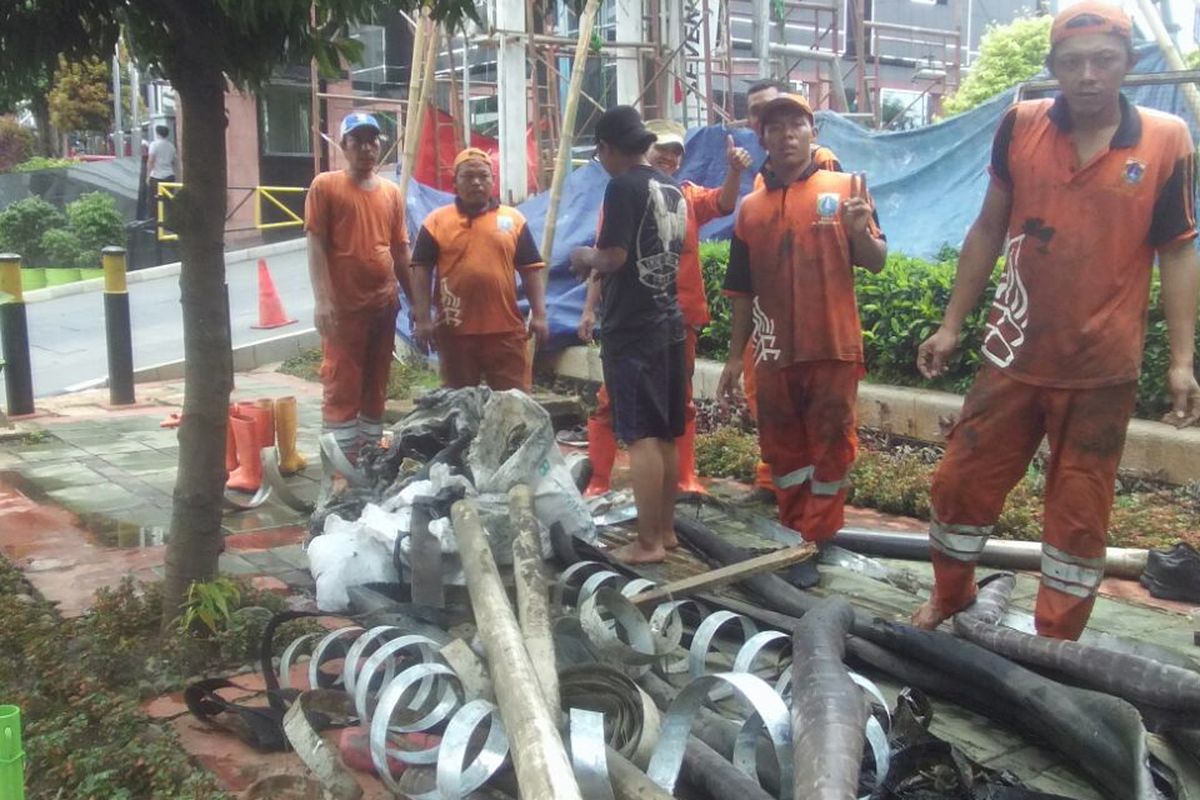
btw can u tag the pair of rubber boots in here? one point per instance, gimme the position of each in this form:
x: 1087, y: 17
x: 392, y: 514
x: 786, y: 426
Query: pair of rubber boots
x: 602, y: 451
x: 253, y: 426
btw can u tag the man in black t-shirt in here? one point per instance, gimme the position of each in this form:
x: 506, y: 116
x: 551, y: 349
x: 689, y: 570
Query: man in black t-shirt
x: 644, y: 220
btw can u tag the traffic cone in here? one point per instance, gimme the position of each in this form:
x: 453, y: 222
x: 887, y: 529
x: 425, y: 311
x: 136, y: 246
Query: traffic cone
x: 270, y: 308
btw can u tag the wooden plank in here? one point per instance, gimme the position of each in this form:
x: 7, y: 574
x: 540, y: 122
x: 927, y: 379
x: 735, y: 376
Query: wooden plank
x: 722, y: 576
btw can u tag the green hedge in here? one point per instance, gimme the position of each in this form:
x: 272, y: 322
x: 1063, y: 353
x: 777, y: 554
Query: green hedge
x: 903, y: 304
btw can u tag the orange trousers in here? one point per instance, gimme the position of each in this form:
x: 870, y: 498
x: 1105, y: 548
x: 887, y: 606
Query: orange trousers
x: 989, y: 449
x: 762, y: 473
x: 355, y: 362
x: 502, y: 359
x: 807, y: 431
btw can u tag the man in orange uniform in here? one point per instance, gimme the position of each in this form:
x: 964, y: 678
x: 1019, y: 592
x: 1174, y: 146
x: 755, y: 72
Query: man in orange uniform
x: 703, y: 204
x: 1087, y: 188
x: 357, y: 257
x: 757, y: 96
x: 478, y: 247
x: 791, y: 276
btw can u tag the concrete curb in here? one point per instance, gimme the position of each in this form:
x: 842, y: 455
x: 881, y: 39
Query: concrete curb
x: 1151, y: 448
x: 161, y: 271
x: 246, y: 357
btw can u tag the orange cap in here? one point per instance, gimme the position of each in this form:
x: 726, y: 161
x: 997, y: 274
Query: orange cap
x: 1091, y: 16
x: 472, y: 154
x: 790, y: 102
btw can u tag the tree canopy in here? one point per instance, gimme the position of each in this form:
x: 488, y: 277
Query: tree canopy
x: 1008, y: 55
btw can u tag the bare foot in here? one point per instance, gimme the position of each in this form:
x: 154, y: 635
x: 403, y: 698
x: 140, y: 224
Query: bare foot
x: 636, y: 553
x: 928, y: 616
x: 670, y: 540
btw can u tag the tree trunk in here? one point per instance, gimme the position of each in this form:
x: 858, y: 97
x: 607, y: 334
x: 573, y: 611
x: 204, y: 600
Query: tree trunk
x: 196, y: 539
x: 39, y: 105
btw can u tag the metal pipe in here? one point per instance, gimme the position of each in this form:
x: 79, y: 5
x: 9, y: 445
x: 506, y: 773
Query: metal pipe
x: 14, y: 337
x: 1171, y: 53
x: 533, y: 607
x: 545, y: 38
x: 911, y: 29
x: 1120, y: 562
x: 117, y: 328
x: 543, y: 769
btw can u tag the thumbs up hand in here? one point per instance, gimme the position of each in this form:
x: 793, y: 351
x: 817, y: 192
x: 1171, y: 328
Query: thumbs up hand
x: 738, y: 157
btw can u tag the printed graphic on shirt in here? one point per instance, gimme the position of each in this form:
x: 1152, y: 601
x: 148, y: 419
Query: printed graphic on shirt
x: 764, y: 336
x: 666, y: 208
x: 827, y: 205
x: 451, y: 306
x: 1006, y: 332
x: 1134, y: 170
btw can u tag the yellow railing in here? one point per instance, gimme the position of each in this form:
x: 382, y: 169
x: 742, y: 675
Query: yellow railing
x: 261, y: 195
x: 268, y: 193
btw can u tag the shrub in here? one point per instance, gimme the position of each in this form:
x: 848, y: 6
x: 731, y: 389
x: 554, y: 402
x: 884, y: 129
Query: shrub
x: 16, y: 143
x: 1008, y: 55
x: 727, y: 452
x: 61, y: 247
x: 22, y: 226
x: 42, y: 162
x: 714, y: 340
x: 95, y: 220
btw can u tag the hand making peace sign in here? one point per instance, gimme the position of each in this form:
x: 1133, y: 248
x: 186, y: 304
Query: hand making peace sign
x: 856, y: 209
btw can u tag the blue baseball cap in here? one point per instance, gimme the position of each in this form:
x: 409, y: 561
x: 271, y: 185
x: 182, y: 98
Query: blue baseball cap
x: 358, y: 119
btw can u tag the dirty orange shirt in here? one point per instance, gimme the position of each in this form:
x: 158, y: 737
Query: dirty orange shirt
x: 702, y: 207
x: 476, y: 258
x: 1070, y: 309
x: 791, y: 254
x: 359, y: 229
x: 823, y: 157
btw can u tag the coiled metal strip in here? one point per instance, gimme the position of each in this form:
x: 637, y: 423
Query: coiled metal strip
x: 356, y: 651
x: 770, y: 715
x: 752, y: 649
x: 386, y: 655
x: 667, y: 622
x: 589, y: 759
x: 453, y: 779
x: 640, y: 652
x: 289, y: 653
x: 637, y: 586
x: 565, y: 578
x: 702, y: 641
x: 318, y: 656
x: 382, y: 727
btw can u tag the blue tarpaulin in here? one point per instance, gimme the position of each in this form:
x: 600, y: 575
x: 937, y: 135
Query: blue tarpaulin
x: 928, y: 184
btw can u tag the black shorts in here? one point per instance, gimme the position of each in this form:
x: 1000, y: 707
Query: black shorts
x: 648, y: 391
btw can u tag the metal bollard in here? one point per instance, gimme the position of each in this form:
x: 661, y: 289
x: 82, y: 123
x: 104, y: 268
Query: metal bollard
x: 12, y: 755
x: 117, y: 327
x: 14, y: 331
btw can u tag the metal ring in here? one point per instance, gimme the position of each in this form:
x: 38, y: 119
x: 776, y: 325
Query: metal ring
x: 637, y: 586
x: 318, y: 656
x: 667, y: 622
x: 753, y: 648
x: 589, y: 759
x: 870, y: 688
x: 594, y: 582
x: 452, y: 779
x: 881, y: 751
x: 770, y: 714
x: 273, y: 479
x: 350, y: 664
x: 285, y: 660
x: 384, y: 655
x: 333, y: 457
x: 702, y: 641
x: 564, y: 579
x: 381, y: 726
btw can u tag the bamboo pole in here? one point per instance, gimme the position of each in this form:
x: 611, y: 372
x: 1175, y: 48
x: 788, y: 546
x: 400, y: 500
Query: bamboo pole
x: 533, y: 607
x: 421, y: 78
x: 561, y: 164
x: 542, y: 766
x: 1175, y: 61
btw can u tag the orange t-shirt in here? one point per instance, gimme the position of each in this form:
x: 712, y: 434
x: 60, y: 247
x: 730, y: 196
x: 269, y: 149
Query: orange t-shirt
x: 1070, y: 310
x: 477, y: 257
x: 823, y: 157
x: 790, y: 253
x: 359, y: 228
x: 702, y: 207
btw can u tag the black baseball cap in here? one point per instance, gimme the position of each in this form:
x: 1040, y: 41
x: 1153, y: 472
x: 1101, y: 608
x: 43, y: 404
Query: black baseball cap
x: 622, y: 127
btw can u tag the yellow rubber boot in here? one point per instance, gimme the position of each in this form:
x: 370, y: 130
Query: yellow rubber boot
x: 290, y: 460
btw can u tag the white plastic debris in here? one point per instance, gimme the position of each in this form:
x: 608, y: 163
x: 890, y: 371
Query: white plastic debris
x: 348, y: 554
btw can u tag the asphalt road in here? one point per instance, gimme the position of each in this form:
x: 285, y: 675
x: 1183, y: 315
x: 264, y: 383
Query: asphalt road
x: 67, y: 338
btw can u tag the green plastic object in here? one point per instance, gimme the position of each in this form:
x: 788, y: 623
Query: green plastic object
x: 12, y: 757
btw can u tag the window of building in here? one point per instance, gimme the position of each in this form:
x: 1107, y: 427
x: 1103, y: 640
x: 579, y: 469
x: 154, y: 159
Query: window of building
x: 286, y: 120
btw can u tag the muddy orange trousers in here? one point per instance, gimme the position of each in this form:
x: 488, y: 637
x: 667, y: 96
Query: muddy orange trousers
x: 355, y: 362
x: 501, y: 359
x: 806, y: 428
x: 989, y: 449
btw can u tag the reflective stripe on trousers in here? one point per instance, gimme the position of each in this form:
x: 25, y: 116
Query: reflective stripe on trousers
x: 1073, y: 575
x: 798, y: 476
x: 960, y: 542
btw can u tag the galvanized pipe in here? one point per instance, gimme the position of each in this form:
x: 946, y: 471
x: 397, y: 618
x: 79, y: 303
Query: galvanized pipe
x: 533, y: 606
